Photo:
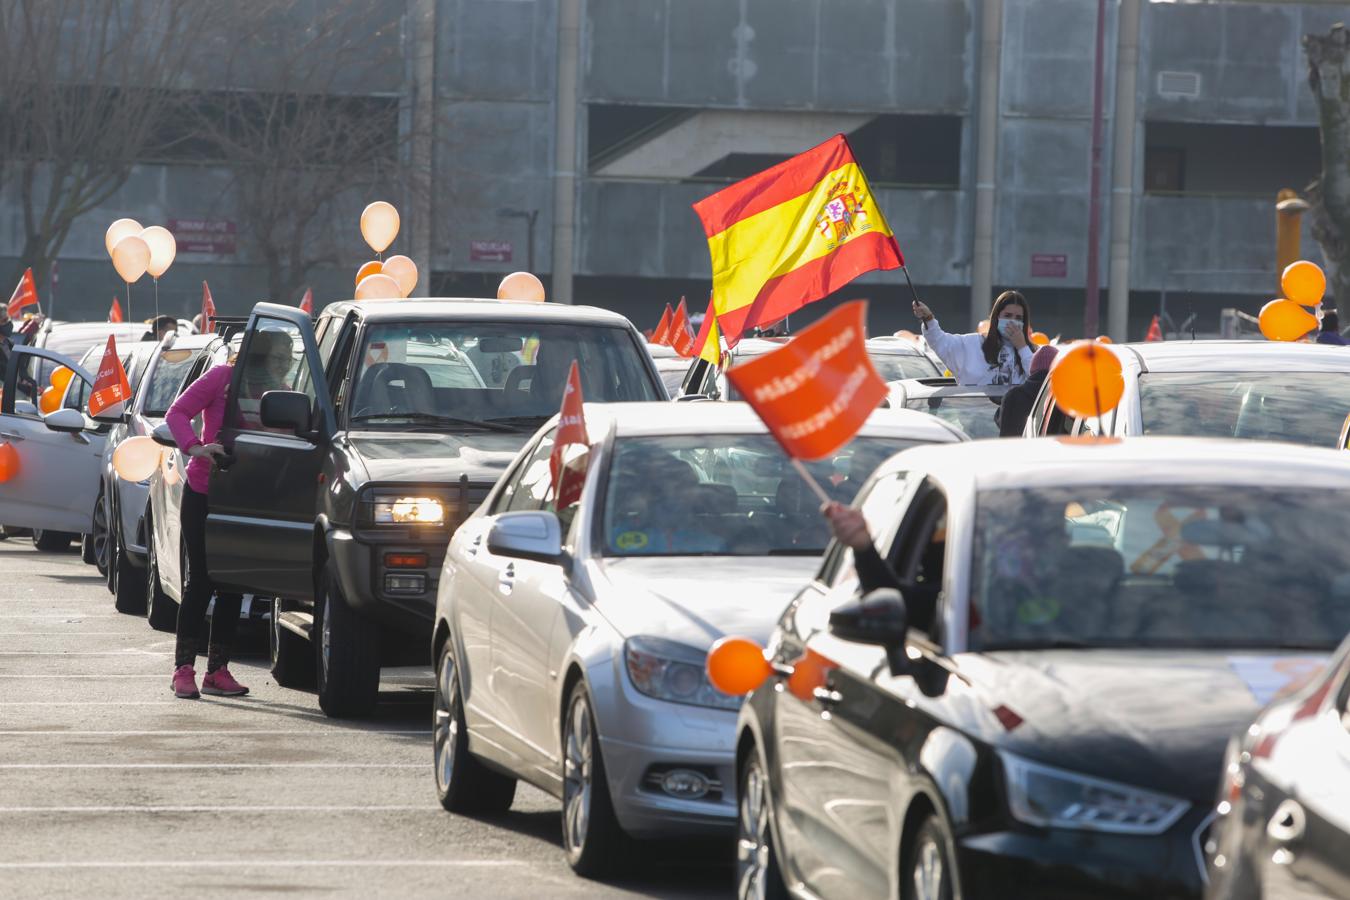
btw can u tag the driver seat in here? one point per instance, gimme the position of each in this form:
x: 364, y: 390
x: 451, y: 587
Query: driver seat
x: 394, y: 388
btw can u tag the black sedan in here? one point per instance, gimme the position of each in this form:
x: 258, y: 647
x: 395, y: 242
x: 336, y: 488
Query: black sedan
x: 1284, y: 807
x: 1043, y: 711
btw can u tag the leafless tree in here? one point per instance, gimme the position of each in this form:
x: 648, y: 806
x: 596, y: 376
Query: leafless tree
x: 86, y: 88
x: 1329, y: 195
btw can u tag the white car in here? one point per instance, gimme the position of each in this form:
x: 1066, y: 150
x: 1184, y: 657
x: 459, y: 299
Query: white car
x: 570, y: 646
x: 970, y: 407
x: 1297, y: 393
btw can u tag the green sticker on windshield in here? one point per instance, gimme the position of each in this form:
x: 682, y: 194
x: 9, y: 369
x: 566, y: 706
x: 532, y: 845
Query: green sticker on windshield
x: 631, y: 540
x: 1038, y: 611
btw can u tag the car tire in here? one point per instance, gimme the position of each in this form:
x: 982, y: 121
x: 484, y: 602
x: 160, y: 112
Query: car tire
x: 463, y: 784
x: 592, y: 839
x: 160, y: 610
x: 758, y: 872
x: 52, y: 541
x: 96, y: 541
x: 927, y: 872
x: 346, y: 655
x: 292, y: 658
x: 129, y: 584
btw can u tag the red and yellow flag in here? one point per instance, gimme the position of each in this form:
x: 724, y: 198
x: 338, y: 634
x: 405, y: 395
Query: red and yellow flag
x: 708, y: 344
x: 793, y: 234
x: 115, y: 311
x: 25, y: 294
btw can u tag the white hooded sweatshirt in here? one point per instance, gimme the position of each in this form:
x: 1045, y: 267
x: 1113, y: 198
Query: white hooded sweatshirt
x: 964, y: 355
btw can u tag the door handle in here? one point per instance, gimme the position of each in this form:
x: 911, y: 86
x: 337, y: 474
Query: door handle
x: 826, y: 696
x: 474, y: 545
x: 11, y: 435
x: 506, y: 581
x: 1288, y: 823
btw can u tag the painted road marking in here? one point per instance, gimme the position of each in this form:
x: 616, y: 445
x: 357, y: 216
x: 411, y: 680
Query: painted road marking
x: 266, y: 864
x: 405, y: 807
x: 215, y: 765
x: 229, y: 731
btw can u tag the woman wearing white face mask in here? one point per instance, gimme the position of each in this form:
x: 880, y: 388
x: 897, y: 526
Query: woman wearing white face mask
x: 1003, y: 356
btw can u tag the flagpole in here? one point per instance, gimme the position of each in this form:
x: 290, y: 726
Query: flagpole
x: 810, y: 482
x: 911, y: 285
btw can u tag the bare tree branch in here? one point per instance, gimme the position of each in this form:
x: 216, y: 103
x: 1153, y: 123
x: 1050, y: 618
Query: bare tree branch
x: 1329, y: 195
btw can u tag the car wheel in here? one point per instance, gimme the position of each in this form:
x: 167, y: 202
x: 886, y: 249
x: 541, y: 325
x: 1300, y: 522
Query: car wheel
x: 758, y: 876
x: 928, y: 874
x: 97, y: 540
x: 592, y: 838
x: 347, y: 655
x: 52, y: 541
x: 463, y: 783
x: 128, y: 585
x: 160, y: 609
x: 292, y: 659
x: 109, y: 570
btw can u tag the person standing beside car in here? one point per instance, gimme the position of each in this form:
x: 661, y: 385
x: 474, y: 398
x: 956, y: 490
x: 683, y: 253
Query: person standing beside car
x: 1003, y: 356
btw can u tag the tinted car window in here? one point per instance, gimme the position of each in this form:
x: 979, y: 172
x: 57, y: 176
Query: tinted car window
x: 162, y: 388
x: 1160, y: 566
x: 1300, y: 408
x: 973, y: 415
x: 275, y: 361
x: 725, y: 494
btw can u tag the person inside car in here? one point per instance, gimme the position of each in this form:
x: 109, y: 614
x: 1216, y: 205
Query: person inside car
x: 874, y: 572
x: 160, y: 328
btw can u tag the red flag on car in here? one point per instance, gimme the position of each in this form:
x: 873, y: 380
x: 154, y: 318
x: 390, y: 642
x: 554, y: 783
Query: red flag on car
x: 817, y: 390
x: 115, y: 311
x: 662, y: 333
x: 681, y: 337
x: 25, y: 294
x: 111, y: 388
x: 708, y: 343
x: 567, y: 481
x: 1154, y: 331
x: 307, y: 301
x: 208, y: 309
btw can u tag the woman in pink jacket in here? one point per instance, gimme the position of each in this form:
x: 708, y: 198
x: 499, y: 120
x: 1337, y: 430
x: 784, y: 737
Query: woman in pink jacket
x: 270, y: 356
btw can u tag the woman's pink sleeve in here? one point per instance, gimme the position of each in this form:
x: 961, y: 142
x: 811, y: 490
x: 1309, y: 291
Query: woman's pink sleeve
x: 191, y: 402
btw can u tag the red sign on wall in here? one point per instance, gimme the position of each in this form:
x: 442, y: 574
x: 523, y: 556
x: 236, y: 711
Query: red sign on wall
x: 1049, y: 265
x: 490, y: 251
x: 204, y: 236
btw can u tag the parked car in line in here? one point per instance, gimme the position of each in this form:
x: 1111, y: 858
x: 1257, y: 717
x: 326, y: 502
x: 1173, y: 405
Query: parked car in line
x: 1109, y: 616
x: 896, y: 359
x: 570, y: 643
x: 671, y: 366
x: 702, y: 378
x: 1283, y: 827
x: 73, y: 339
x: 969, y: 407
x: 1256, y: 390
x: 351, y: 472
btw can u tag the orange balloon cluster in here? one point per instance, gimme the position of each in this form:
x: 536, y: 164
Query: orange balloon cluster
x: 1087, y: 380
x: 1303, y: 284
x: 9, y: 462
x: 737, y: 666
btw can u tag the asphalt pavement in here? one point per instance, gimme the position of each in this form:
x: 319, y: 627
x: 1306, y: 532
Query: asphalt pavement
x: 112, y: 787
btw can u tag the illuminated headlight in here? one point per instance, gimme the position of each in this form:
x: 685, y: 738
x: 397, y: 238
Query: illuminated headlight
x: 1056, y: 798
x: 408, y: 511
x: 670, y: 671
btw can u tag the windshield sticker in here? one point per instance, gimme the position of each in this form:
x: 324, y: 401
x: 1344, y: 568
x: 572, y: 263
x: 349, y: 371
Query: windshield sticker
x: 1268, y: 677
x: 1038, y: 611
x: 631, y: 540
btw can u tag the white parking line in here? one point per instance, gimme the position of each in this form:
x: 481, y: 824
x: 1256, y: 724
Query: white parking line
x: 128, y: 652
x: 88, y: 702
x: 77, y: 617
x: 266, y: 864
x: 64, y: 633
x: 216, y: 765
x: 404, y: 807
x: 307, y: 732
x: 98, y: 676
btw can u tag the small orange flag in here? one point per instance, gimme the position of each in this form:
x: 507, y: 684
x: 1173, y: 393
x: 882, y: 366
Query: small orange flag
x: 818, y: 389
x: 680, y: 338
x: 115, y: 311
x: 307, y: 302
x: 1154, y: 331
x: 567, y: 482
x: 111, y: 389
x: 662, y: 333
x: 25, y: 294
x: 208, y: 309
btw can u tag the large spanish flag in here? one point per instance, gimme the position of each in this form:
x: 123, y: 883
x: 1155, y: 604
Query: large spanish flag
x: 793, y: 234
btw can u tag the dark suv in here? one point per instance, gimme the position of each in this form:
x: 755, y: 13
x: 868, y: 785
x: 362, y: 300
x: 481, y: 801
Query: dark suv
x: 358, y: 446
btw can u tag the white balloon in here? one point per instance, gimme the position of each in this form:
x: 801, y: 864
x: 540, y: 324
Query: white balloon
x: 404, y: 271
x: 118, y: 230
x: 163, y: 248
x: 136, y: 458
x: 378, y: 287
x: 379, y: 225
x: 131, y: 257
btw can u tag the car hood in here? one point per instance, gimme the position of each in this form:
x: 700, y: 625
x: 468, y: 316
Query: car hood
x: 697, y: 599
x: 436, y: 457
x: 1153, y: 718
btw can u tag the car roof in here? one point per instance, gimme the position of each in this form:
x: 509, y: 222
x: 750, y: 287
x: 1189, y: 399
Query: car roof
x: 194, y: 341
x: 1234, y: 356
x: 1050, y: 462
x: 758, y: 346
x: 893, y: 345
x: 736, y: 417
x: 661, y: 351
x: 73, y: 338
x: 433, y: 308
x: 923, y: 388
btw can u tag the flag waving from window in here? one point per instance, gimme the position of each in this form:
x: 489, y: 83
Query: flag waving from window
x: 791, y: 235
x: 662, y: 333
x: 680, y: 338
x: 307, y: 301
x: 111, y: 388
x: 708, y: 344
x: 115, y: 311
x: 25, y: 294
x: 567, y: 480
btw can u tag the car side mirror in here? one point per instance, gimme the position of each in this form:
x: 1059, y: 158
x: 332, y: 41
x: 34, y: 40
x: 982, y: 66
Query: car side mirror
x: 879, y: 618
x: 112, y: 418
x: 163, y: 436
x: 70, y: 421
x: 529, y: 534
x: 286, y: 409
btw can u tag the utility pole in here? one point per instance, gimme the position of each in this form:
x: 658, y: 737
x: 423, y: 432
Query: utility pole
x: 1090, y: 309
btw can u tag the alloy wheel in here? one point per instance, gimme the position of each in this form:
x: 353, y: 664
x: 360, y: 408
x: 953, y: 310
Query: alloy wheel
x: 326, y: 635
x: 929, y: 874
x: 578, y: 764
x: 754, y: 847
x: 445, y: 721
x: 100, y: 536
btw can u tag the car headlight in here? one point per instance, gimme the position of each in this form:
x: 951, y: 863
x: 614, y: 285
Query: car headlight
x: 415, y: 507
x: 675, y: 672
x: 1056, y: 798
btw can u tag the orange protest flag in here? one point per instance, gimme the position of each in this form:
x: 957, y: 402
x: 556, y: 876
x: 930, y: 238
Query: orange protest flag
x: 208, y: 309
x: 307, y: 301
x: 791, y: 235
x: 818, y: 389
x: 662, y: 333
x: 1154, y: 331
x: 115, y: 311
x: 681, y: 339
x: 25, y: 294
x: 567, y: 482
x: 111, y: 388
x: 708, y: 343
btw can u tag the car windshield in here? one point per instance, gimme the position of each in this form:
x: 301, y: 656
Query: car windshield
x: 1209, y: 566
x: 973, y: 414
x: 725, y: 495
x: 1300, y: 408
x: 497, y: 373
x: 898, y: 366
x: 162, y: 387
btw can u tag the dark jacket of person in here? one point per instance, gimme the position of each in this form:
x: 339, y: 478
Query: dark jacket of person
x: 1017, y: 404
x: 1332, y: 337
x: 920, y: 599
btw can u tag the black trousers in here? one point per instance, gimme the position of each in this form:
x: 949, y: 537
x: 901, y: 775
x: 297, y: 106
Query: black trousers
x: 197, y: 591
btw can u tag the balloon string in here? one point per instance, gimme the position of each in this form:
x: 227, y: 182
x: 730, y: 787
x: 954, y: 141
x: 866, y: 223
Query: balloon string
x: 1096, y: 392
x: 156, y: 281
x: 130, y: 318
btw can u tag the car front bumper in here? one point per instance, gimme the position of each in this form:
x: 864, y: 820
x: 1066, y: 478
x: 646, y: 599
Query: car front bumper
x: 360, y: 569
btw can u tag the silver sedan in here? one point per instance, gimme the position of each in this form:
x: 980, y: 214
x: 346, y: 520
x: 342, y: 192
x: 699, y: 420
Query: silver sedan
x: 571, y: 644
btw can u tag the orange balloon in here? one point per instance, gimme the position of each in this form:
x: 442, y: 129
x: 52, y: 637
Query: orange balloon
x: 50, y: 401
x: 1103, y: 339
x: 61, y: 376
x: 1039, y: 338
x: 1087, y: 380
x: 1285, y: 320
x: 9, y: 462
x: 374, y: 267
x: 737, y: 666
x: 1304, y: 283
x: 808, y: 673
x: 521, y: 286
